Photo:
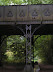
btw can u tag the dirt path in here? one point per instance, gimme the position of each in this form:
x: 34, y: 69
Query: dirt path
x: 47, y: 71
x: 14, y: 69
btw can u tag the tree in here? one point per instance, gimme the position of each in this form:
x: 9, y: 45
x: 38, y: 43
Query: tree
x: 16, y: 44
x: 25, y: 2
x: 43, y: 48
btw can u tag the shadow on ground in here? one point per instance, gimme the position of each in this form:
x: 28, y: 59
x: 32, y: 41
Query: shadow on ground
x: 44, y: 68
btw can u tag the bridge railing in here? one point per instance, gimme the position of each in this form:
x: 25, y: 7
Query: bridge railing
x: 27, y: 13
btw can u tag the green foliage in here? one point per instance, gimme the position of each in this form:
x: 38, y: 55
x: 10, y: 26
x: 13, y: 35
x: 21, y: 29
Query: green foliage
x: 25, y: 2
x: 43, y: 48
x: 16, y: 44
x: 10, y: 56
x: 15, y: 51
